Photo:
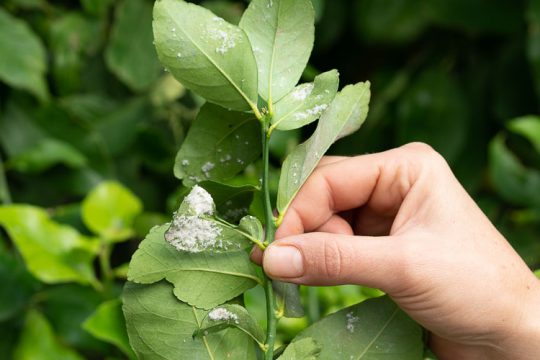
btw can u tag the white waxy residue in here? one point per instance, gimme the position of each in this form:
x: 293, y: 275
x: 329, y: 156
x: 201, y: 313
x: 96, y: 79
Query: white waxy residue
x: 193, y: 234
x: 207, y: 167
x: 222, y: 314
x: 200, y: 201
x: 351, y: 320
x: 315, y: 111
x: 226, y: 37
x: 302, y: 92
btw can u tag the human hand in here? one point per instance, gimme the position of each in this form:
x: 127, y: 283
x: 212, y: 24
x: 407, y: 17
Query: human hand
x: 400, y: 221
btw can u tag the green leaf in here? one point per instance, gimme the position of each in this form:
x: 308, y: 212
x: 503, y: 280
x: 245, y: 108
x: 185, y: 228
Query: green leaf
x: 53, y: 253
x: 528, y: 127
x: 38, y: 342
x: 206, y: 54
x: 373, y: 329
x: 512, y: 180
x: 5, y: 196
x: 23, y: 62
x: 96, y: 7
x: 288, y: 299
x: 108, y: 324
x: 232, y: 202
x: 304, y: 349
x: 252, y: 226
x: 230, y: 316
x: 344, y: 116
x: 306, y: 102
x: 20, y: 283
x: 45, y: 154
x: 201, y: 279
x: 110, y: 210
x: 68, y: 306
x: 136, y: 64
x: 161, y: 327
x: 281, y: 33
x: 220, y: 143
x: 537, y: 273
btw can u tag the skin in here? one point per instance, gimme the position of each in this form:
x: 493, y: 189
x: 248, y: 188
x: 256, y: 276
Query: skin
x: 401, y: 222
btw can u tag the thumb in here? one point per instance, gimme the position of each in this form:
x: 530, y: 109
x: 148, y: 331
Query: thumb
x: 333, y: 259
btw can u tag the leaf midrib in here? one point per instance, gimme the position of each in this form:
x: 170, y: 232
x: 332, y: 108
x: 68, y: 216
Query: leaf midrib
x: 271, y: 70
x: 379, y: 333
x: 221, y: 71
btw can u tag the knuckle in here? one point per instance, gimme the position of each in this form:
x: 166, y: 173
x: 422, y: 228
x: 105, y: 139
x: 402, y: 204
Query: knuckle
x: 331, y: 259
x: 422, y: 156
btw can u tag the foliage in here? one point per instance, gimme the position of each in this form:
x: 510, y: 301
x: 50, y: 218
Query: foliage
x: 85, y: 104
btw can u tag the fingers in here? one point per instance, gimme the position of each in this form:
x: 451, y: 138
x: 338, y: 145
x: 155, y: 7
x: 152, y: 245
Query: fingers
x: 378, y: 182
x: 331, y: 259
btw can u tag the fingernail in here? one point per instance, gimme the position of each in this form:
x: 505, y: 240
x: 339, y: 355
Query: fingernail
x: 283, y: 261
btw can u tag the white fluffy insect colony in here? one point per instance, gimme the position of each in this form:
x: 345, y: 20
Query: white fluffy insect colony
x: 222, y: 314
x: 192, y: 231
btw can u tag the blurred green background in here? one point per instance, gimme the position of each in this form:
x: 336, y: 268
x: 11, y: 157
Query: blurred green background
x: 90, y: 124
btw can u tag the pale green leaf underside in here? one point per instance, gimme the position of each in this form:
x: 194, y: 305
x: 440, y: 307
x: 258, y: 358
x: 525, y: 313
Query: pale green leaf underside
x: 306, y: 102
x: 206, y: 54
x: 220, y: 144
x: 374, y: 329
x: 203, y: 279
x: 303, y: 349
x: 242, y: 320
x: 160, y: 328
x: 281, y: 33
x: 52, y: 252
x: 344, y: 116
x: 23, y: 62
x: 110, y: 209
x: 38, y: 341
x: 107, y: 323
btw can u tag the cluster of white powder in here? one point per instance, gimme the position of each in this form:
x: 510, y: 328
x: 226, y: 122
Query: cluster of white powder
x: 227, y: 40
x: 222, y: 314
x: 315, y: 111
x: 194, y: 233
x: 207, y: 167
x: 302, y: 92
x: 351, y: 320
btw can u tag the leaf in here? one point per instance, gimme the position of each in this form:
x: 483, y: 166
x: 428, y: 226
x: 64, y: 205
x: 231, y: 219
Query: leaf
x: 528, y: 127
x: 281, y: 33
x: 109, y: 210
x: 206, y: 54
x: 45, y: 154
x: 53, y: 253
x: 230, y: 316
x: 512, y: 180
x: 38, y: 342
x: 161, y: 327
x: 68, y: 306
x: 220, y: 143
x: 373, y: 329
x: 304, y: 349
x: 344, y: 116
x: 5, y: 197
x: 20, y: 283
x: 288, y: 299
x: 252, y: 226
x: 537, y: 273
x: 135, y: 64
x: 232, y: 202
x: 201, y: 279
x: 107, y: 323
x: 23, y: 62
x: 306, y: 102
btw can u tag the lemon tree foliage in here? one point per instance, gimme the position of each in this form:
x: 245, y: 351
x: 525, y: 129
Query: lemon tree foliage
x: 187, y: 276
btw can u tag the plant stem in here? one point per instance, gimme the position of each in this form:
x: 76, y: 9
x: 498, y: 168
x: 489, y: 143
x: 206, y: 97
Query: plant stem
x: 105, y: 265
x: 270, y: 231
x: 5, y: 196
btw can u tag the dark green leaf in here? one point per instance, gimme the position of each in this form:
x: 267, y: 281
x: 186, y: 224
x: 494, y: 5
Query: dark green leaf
x: 161, y: 327
x: 288, y: 299
x: 206, y: 54
x: 38, y: 342
x: 281, y: 33
x: 109, y: 210
x: 528, y: 127
x: 23, y: 62
x: 230, y: 316
x: 53, y: 253
x: 203, y: 279
x: 220, y: 144
x: 373, y: 329
x: 108, y: 324
x: 135, y: 63
x: 344, y: 116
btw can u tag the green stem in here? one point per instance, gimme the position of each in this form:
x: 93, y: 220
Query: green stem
x: 5, y: 196
x: 270, y: 231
